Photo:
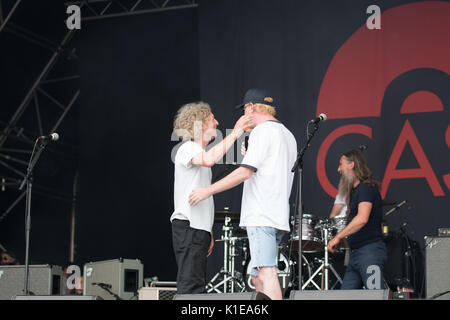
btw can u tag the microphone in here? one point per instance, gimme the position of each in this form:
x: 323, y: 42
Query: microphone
x: 321, y: 117
x: 101, y: 284
x: 51, y: 137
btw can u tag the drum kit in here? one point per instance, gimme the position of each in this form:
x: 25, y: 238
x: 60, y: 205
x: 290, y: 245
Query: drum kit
x: 316, y: 262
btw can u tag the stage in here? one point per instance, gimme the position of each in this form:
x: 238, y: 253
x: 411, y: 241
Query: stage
x: 90, y: 91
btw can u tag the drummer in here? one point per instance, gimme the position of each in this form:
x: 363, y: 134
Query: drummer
x: 339, y: 215
x: 339, y: 209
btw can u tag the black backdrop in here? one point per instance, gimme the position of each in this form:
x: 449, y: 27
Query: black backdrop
x: 136, y: 72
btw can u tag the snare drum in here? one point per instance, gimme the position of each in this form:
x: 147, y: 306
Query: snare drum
x: 311, y: 235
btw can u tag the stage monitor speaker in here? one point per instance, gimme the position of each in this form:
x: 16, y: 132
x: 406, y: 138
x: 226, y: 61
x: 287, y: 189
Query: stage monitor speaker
x: 437, y: 264
x: 42, y: 280
x: 223, y: 296
x: 74, y: 297
x: 340, y: 295
x: 113, y: 279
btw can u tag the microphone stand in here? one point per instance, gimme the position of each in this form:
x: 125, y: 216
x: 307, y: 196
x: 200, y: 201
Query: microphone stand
x: 28, y: 180
x: 395, y: 208
x: 299, y: 167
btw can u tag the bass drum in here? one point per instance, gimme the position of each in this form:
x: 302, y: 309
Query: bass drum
x: 287, y: 270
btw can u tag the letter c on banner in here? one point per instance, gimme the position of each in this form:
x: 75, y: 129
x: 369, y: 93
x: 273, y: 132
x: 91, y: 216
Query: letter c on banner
x: 322, y: 155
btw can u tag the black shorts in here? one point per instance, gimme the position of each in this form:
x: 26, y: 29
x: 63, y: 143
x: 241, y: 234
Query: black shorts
x: 190, y: 247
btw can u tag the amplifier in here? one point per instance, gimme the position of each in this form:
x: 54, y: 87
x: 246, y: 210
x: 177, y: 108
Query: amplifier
x: 437, y: 263
x: 42, y: 280
x: 444, y: 232
x: 113, y: 279
x: 155, y: 293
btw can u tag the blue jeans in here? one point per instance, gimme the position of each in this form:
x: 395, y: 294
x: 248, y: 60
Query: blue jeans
x: 365, y: 268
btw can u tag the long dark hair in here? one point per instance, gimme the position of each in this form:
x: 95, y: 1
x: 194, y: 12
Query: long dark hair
x: 361, y: 169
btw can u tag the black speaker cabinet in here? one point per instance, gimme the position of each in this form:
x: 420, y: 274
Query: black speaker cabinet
x: 340, y: 295
x: 437, y: 264
x: 223, y: 296
x: 42, y: 280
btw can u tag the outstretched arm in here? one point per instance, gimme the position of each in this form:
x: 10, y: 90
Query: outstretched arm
x: 212, y: 156
x: 233, y: 179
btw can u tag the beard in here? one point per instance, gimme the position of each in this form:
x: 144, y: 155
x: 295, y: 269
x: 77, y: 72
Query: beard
x: 345, y: 186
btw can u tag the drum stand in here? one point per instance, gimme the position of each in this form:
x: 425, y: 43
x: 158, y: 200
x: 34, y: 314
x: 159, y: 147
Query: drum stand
x: 325, y: 266
x: 228, y: 278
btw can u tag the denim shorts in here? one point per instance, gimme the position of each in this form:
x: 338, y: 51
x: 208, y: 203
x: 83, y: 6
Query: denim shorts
x: 263, y: 243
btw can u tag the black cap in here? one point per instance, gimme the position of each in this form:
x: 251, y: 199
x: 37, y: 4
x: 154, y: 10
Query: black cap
x: 255, y: 95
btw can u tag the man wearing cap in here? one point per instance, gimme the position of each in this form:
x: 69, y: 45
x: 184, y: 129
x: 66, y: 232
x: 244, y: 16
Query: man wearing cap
x: 266, y: 173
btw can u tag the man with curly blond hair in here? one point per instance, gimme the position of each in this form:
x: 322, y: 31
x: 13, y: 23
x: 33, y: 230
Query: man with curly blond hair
x: 192, y: 226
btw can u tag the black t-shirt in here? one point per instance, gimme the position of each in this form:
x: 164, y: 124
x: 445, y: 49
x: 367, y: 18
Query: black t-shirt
x: 371, y: 231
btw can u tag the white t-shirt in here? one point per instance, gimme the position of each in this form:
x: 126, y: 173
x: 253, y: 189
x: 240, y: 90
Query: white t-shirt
x: 343, y: 212
x: 272, y: 151
x: 187, y: 178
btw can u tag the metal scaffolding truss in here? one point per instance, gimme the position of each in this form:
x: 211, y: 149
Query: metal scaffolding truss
x: 4, y: 19
x: 14, y: 157
x: 38, y: 87
x: 47, y: 98
x: 92, y: 9
x: 100, y: 9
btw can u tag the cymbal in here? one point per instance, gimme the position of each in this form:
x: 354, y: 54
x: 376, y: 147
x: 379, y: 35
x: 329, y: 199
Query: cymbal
x: 221, y: 215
